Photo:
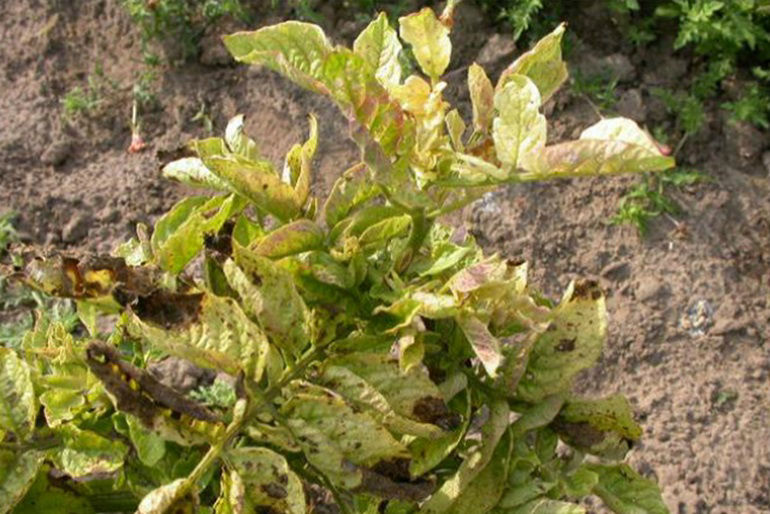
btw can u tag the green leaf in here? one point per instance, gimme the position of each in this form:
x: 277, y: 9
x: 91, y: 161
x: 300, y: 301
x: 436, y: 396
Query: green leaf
x: 333, y: 436
x: 543, y: 65
x: 216, y: 333
x: 604, y: 427
x: 294, y: 49
x: 580, y: 483
x: 484, y: 344
x: 482, y: 98
x: 519, y: 130
x: 150, y: 447
x: 85, y: 452
x: 179, y: 235
x: 627, y: 492
x: 538, y: 415
x: 474, y: 462
x: 232, y: 495
x: 175, y: 497
x: 192, y: 171
x: 45, y: 497
x: 255, y: 180
x: 351, y: 189
x: 572, y: 343
x: 18, y: 406
x: 269, y: 295
x: 548, y: 506
x: 429, y: 453
x: 429, y: 39
x: 238, y: 142
x: 483, y: 493
x: 386, y: 229
x: 17, y: 474
x: 268, y: 481
x: 296, y: 237
x: 379, y: 46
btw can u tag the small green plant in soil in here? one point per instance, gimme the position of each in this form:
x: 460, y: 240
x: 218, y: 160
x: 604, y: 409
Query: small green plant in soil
x: 598, y: 89
x: 378, y: 360
x: 182, y: 22
x: 649, y: 199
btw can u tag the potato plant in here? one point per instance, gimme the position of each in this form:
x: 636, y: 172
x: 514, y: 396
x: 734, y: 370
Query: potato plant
x: 370, y: 358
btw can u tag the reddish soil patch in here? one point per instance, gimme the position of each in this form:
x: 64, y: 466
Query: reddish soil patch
x: 701, y: 386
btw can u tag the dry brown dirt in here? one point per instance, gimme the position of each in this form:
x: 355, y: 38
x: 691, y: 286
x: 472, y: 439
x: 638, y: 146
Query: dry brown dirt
x: 689, y: 304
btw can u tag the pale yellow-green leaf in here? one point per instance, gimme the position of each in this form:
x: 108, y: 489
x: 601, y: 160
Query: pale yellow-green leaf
x: 295, y: 49
x: 238, y: 142
x: 221, y: 336
x: 456, y: 128
x: 334, y: 437
x: 17, y: 474
x: 150, y: 446
x: 547, y: 506
x: 484, y: 344
x: 350, y: 190
x: 306, y: 154
x: 267, y: 480
x: 543, y: 65
x: 269, y: 295
x: 380, y: 47
x: 572, y: 343
x: 429, y: 39
x: 474, y: 462
x: 61, y: 405
x: 482, y: 98
x: 620, y: 129
x: 484, y: 491
x: 172, y: 498
x: 519, y: 130
x: 18, y: 406
x: 192, y: 171
x: 296, y: 237
x: 232, y: 494
x: 85, y: 452
x: 255, y: 180
x: 386, y: 229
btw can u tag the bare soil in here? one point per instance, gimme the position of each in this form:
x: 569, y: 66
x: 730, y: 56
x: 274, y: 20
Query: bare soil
x: 689, y: 304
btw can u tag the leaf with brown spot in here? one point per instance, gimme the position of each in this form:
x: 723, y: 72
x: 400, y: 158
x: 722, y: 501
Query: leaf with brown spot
x: 296, y: 237
x: 267, y: 480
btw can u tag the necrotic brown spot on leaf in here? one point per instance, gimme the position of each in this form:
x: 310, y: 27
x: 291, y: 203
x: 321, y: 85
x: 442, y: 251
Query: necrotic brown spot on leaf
x: 275, y: 490
x: 431, y: 409
x: 566, y: 345
x: 169, y: 310
x: 587, y: 289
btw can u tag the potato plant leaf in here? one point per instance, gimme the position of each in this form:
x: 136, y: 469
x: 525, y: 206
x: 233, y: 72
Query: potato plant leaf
x: 627, y: 492
x: 192, y: 171
x: 269, y: 295
x: 429, y: 38
x: 482, y: 98
x: 519, y: 130
x: 543, y: 65
x: 85, y: 452
x: 18, y: 405
x: 238, y: 142
x: 208, y: 330
x: 17, y: 474
x: 296, y: 237
x: 572, y: 343
x: 268, y: 481
x: 349, y: 191
x: 380, y: 47
x: 174, y: 497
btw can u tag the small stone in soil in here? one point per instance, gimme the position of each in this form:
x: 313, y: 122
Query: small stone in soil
x: 56, y: 153
x: 76, y: 228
